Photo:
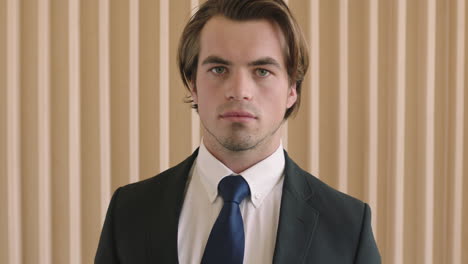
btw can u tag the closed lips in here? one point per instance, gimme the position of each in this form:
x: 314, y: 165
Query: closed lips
x: 237, y: 114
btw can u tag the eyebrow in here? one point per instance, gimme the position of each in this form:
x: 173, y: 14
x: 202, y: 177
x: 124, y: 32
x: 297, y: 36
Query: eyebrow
x: 265, y: 61
x: 258, y: 62
x: 215, y: 60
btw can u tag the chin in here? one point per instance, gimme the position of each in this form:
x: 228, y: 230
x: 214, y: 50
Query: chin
x: 238, y: 143
x: 238, y: 147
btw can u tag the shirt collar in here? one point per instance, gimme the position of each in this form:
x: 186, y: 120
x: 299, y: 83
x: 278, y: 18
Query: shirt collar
x: 261, y: 177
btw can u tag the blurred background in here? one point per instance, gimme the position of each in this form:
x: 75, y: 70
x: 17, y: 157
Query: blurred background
x: 91, y: 99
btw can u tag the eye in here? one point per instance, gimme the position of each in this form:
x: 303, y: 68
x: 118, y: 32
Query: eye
x: 218, y: 70
x: 263, y: 72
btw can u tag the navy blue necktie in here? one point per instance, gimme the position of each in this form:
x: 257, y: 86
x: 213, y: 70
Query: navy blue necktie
x: 226, y: 242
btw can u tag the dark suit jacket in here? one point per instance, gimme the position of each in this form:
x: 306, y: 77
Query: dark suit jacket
x: 317, y: 223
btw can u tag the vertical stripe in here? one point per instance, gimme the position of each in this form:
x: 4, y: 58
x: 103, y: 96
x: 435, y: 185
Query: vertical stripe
x: 284, y: 128
x: 314, y: 124
x: 104, y: 105
x: 400, y: 108
x: 430, y: 131
x: 194, y: 6
x: 448, y: 128
x: 74, y: 130
x: 134, y: 92
x: 194, y: 115
x: 164, y: 85
x: 13, y: 134
x: 44, y: 162
x: 343, y: 104
x: 372, y: 186
x: 457, y: 224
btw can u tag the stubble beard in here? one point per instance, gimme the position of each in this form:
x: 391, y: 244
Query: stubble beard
x: 239, y: 139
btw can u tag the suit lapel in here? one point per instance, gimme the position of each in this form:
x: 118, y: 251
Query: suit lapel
x: 297, y: 217
x: 168, y: 198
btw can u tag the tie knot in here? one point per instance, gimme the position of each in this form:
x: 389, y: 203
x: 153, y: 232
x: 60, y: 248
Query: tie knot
x: 233, y: 189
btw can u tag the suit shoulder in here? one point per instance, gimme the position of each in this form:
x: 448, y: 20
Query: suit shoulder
x: 338, y: 211
x: 152, y: 181
x: 319, y: 191
x: 324, y: 189
x: 325, y: 197
x: 168, y: 179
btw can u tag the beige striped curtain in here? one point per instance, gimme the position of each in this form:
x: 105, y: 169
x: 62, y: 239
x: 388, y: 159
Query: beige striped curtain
x: 91, y: 99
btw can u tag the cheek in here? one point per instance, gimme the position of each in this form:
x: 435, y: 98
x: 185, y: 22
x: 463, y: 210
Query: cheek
x: 277, y: 92
x: 209, y: 89
x: 206, y: 98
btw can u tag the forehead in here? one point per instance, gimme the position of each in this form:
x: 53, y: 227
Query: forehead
x: 242, y: 40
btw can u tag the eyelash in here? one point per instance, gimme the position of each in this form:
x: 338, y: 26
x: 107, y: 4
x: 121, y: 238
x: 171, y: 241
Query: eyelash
x: 213, y: 70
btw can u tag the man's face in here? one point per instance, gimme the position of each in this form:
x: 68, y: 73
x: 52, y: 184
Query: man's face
x: 242, y: 88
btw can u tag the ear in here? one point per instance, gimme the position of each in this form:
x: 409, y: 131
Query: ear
x: 292, y: 95
x: 193, y: 91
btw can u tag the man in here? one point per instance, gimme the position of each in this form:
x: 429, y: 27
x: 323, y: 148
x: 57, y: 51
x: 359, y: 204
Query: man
x: 239, y: 198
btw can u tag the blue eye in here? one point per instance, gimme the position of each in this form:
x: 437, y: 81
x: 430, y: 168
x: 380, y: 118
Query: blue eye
x: 218, y: 70
x: 262, y: 72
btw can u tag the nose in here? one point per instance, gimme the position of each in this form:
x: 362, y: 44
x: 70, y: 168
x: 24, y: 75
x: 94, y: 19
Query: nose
x: 240, y: 86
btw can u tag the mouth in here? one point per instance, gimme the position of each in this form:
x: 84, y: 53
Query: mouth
x: 238, y: 116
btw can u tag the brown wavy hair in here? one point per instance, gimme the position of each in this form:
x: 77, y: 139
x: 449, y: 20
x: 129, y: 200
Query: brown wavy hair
x: 296, y: 52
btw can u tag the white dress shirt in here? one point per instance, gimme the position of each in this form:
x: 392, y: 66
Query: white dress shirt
x: 260, y: 210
